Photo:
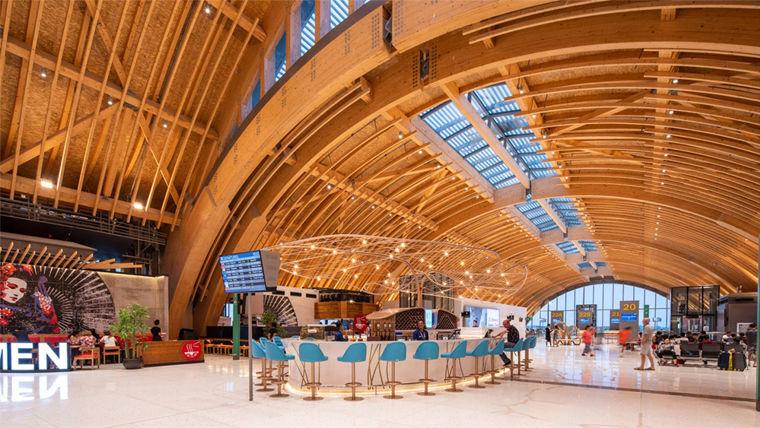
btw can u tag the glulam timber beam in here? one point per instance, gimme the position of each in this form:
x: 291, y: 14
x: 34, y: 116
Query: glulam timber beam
x: 244, y: 22
x: 72, y: 72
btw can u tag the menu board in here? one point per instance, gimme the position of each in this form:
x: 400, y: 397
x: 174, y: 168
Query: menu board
x: 557, y: 316
x: 254, y: 271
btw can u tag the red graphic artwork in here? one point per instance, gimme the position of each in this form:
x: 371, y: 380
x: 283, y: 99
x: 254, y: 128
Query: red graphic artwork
x: 191, y: 351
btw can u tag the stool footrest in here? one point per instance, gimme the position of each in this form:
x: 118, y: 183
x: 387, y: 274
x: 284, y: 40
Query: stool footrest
x: 313, y: 384
x: 353, y: 384
x: 393, y: 383
x: 426, y: 380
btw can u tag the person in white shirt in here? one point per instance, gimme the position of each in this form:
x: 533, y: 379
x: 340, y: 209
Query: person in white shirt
x: 108, y: 339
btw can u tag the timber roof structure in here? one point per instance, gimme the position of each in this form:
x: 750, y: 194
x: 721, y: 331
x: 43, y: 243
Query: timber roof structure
x: 584, y: 139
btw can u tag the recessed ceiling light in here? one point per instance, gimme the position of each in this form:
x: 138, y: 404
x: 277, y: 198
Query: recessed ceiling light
x: 207, y: 9
x: 400, y: 135
x: 675, y: 81
x: 110, y: 100
x: 43, y: 73
x: 671, y: 111
x: 46, y: 184
x: 166, y: 124
x: 138, y: 206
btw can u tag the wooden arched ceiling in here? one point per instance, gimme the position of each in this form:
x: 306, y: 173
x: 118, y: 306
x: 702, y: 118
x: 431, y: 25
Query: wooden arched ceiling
x: 113, y: 107
x: 646, y: 111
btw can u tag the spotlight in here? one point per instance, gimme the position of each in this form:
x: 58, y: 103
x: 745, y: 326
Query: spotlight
x: 671, y: 111
x: 137, y: 206
x: 419, y: 152
x: 110, y: 101
x: 207, y: 9
x: 668, y: 136
x: 675, y: 81
x: 166, y: 124
x: 329, y: 187
x: 46, y: 184
x: 400, y: 135
x: 43, y: 73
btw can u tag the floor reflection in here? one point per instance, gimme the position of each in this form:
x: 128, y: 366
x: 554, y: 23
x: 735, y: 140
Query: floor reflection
x: 19, y: 388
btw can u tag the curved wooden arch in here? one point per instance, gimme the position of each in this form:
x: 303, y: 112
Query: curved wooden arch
x: 287, y: 160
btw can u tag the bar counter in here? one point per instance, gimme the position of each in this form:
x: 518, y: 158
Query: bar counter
x: 373, y: 373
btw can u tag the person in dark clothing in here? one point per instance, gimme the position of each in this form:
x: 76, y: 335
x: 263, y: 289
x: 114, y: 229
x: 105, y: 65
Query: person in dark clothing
x: 420, y: 333
x: 338, y: 333
x: 548, y: 336
x: 751, y: 341
x: 513, y: 335
x: 156, y: 331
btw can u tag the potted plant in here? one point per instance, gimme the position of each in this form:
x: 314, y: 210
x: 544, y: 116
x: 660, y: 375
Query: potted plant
x: 269, y: 319
x: 130, y: 322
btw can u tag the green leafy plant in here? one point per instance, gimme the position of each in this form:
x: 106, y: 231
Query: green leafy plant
x: 130, y: 322
x: 269, y: 318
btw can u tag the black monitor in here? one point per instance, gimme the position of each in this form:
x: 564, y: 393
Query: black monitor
x: 254, y: 271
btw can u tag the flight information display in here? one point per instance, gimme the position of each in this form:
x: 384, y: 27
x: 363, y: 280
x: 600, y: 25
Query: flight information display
x: 629, y: 317
x: 253, y: 271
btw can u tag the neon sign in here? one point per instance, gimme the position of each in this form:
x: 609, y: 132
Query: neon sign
x: 19, y: 357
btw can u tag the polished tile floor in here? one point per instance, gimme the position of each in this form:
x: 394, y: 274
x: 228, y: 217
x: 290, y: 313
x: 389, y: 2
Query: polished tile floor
x: 214, y: 394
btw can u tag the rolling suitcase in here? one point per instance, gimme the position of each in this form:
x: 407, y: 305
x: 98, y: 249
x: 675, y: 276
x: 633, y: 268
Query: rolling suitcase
x: 724, y: 361
x: 739, y: 361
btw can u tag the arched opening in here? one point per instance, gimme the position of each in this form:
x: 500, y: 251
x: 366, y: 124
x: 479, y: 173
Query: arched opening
x: 606, y: 295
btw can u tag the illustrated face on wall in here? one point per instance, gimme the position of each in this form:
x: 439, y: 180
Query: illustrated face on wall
x: 14, y: 290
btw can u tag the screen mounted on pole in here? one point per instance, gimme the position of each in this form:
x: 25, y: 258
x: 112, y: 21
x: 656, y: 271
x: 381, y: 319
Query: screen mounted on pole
x: 254, y: 271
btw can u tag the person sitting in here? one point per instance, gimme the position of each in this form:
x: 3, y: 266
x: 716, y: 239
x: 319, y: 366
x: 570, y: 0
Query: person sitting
x: 86, y: 339
x: 339, y: 334
x: 513, y: 336
x: 108, y: 339
x: 665, y: 349
x: 420, y: 333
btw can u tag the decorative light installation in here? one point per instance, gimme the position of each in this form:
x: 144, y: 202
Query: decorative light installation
x: 380, y: 261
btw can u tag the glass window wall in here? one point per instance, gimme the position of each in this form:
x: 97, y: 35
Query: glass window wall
x: 606, y: 297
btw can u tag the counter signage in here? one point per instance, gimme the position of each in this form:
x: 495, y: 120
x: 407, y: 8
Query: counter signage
x: 254, y: 271
x: 19, y: 357
x: 191, y: 350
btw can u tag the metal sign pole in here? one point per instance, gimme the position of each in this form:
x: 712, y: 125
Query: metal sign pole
x: 250, y: 347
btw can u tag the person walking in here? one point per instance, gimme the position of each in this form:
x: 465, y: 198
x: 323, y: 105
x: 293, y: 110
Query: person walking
x: 646, y: 346
x: 588, y: 340
x: 751, y: 341
x: 548, y: 336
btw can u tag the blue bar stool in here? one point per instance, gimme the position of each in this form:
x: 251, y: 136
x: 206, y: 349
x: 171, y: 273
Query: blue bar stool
x: 355, y: 353
x: 497, y: 349
x: 458, y: 353
x: 276, y: 354
x: 480, y: 351
x: 277, y: 341
x: 259, y: 353
x: 270, y: 369
x: 310, y: 353
x: 393, y: 352
x: 426, y: 351
x: 516, y: 348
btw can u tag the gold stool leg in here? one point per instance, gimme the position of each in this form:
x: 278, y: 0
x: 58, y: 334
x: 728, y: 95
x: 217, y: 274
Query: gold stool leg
x: 511, y: 365
x: 353, y: 385
x: 454, y: 377
x: 280, y: 381
x: 393, y: 384
x: 263, y: 377
x: 519, y: 362
x: 313, y: 385
x: 493, y: 372
x: 477, y: 375
x: 427, y: 381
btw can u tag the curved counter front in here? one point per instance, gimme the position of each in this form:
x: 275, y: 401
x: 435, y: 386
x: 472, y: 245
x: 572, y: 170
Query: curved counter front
x: 373, y: 373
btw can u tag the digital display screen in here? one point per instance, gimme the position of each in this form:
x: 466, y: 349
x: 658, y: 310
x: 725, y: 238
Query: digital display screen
x: 585, y: 321
x: 556, y: 320
x: 253, y: 271
x: 614, y: 320
x: 430, y: 318
x: 629, y: 317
